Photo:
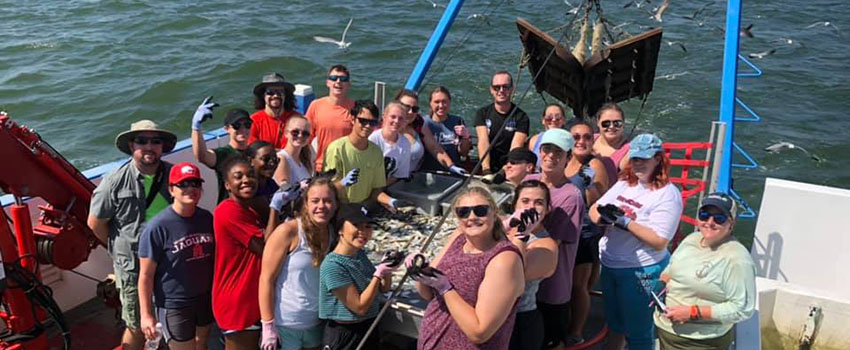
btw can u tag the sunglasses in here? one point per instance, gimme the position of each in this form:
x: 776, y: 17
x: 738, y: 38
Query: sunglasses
x: 506, y: 87
x: 140, y: 140
x: 586, y: 137
x: 719, y: 218
x: 518, y: 162
x: 412, y: 109
x: 272, y: 92
x: 339, y: 78
x: 553, y: 117
x: 616, y: 123
x: 299, y: 133
x: 193, y: 183
x: 555, y: 150
x: 479, y: 210
x: 368, y: 122
x: 242, y: 124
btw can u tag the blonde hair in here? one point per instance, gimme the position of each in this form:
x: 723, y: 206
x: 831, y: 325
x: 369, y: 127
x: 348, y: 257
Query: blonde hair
x: 306, y: 154
x: 498, y: 228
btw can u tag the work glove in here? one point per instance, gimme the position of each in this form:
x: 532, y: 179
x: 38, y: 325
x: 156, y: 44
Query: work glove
x: 454, y: 169
x: 390, y: 262
x: 461, y: 131
x: 269, y: 339
x: 525, y: 221
x: 610, y: 214
x: 436, y: 280
x: 203, y: 113
x: 399, y: 203
x: 285, y: 195
x: 351, y: 178
x: 587, y: 174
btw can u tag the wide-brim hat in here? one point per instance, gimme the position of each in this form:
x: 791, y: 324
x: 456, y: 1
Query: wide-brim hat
x: 272, y: 79
x: 122, y: 141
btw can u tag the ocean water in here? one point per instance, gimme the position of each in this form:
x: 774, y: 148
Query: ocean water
x: 80, y: 72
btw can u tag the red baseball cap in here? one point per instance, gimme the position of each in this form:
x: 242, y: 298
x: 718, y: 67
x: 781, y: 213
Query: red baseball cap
x: 184, y: 171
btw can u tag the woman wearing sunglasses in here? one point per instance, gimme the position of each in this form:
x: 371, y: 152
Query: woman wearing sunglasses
x: 640, y: 214
x: 710, y: 282
x: 474, y: 293
x: 295, y: 161
x: 611, y: 143
x: 540, y: 253
x: 553, y: 118
x: 289, y: 278
x: 176, y: 265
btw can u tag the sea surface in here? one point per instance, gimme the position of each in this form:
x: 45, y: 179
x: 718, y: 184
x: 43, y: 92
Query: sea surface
x: 79, y: 72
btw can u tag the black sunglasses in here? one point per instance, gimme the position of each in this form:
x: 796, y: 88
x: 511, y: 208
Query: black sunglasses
x: 719, y: 218
x: 189, y: 183
x: 479, y: 210
x: 367, y: 122
x: 501, y: 87
x: 340, y: 78
x: 412, y: 109
x: 299, y: 133
x: 607, y: 123
x: 272, y: 92
x: 242, y: 124
x: 141, y: 140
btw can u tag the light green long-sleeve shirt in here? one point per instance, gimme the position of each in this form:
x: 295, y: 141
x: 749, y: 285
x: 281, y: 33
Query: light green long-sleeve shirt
x: 722, y: 278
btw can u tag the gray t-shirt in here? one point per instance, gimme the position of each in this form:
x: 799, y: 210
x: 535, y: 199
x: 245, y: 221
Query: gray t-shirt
x: 528, y: 299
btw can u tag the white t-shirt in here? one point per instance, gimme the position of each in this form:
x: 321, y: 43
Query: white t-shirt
x: 396, y: 155
x: 657, y: 209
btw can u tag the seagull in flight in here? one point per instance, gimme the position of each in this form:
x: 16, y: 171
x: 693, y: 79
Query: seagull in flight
x: 680, y: 45
x: 660, y: 11
x: 776, y: 147
x: 824, y: 24
x: 341, y: 42
x: 480, y: 17
x: 760, y: 55
x: 435, y: 5
x: 671, y: 76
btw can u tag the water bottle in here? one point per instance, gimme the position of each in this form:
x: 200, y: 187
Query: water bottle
x: 153, y: 344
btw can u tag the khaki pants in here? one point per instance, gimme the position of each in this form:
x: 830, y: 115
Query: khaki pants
x: 670, y: 341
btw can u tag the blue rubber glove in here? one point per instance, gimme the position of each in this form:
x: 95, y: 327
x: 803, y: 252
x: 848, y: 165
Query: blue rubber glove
x: 285, y: 195
x: 587, y: 174
x: 454, y: 169
x: 203, y: 113
x: 623, y: 222
x: 351, y: 178
x: 399, y: 203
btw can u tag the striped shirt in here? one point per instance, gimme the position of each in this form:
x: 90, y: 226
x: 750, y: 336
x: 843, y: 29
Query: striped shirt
x: 339, y: 271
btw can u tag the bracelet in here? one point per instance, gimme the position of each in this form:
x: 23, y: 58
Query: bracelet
x: 695, y: 313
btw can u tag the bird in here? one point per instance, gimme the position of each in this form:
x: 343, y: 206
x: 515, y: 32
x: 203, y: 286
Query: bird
x: 748, y: 31
x: 671, y: 76
x: 693, y: 17
x: 341, y: 43
x: 480, y: 17
x: 779, y: 146
x: 763, y: 54
x: 573, y: 9
x: 435, y: 5
x: 660, y: 10
x: 681, y: 46
x: 825, y: 24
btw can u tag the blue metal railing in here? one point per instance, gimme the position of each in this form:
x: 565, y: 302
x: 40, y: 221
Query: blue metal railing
x: 729, y: 103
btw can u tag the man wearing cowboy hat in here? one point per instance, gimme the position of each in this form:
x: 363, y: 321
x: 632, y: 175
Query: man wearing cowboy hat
x: 274, y: 100
x: 329, y: 116
x: 121, y: 204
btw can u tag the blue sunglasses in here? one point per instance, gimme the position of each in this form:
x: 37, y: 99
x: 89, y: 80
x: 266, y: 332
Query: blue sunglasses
x: 719, y: 219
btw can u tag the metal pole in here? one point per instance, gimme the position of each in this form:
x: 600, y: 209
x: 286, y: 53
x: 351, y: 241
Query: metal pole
x: 718, y: 156
x: 433, y: 46
x: 727, y: 91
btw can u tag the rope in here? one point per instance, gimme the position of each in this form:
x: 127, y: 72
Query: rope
x: 640, y: 114
x: 465, y: 182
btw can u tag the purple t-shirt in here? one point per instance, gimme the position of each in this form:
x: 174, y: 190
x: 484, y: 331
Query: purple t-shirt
x: 564, y: 224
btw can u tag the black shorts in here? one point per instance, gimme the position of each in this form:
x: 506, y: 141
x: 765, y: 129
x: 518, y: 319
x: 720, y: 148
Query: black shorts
x: 556, y: 319
x: 344, y: 336
x: 588, y: 250
x: 528, y: 331
x: 179, y: 324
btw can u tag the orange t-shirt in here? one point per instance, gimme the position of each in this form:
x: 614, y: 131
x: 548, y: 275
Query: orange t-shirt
x: 329, y: 122
x: 269, y: 129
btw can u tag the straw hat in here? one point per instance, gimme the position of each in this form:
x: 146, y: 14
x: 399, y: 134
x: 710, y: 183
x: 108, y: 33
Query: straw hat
x: 122, y: 141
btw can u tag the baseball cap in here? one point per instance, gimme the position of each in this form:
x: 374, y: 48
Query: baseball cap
x: 521, y: 154
x: 184, y: 171
x: 235, y: 115
x: 558, y: 137
x: 644, y: 146
x: 721, y: 201
x: 354, y: 213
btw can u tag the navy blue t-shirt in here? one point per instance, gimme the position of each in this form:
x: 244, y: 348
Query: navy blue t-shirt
x: 183, y: 249
x: 444, y: 132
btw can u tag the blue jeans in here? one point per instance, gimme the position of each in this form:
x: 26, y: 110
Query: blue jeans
x: 626, y: 295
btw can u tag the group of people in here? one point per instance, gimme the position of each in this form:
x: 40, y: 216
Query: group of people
x: 281, y: 260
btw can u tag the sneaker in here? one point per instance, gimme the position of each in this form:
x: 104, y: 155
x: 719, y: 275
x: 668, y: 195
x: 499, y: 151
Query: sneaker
x: 573, y: 340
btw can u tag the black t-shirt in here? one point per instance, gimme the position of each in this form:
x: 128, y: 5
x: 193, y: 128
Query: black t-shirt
x: 493, y: 120
x: 184, y: 252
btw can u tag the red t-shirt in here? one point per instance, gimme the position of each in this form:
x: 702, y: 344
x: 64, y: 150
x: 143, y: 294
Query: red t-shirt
x: 269, y: 129
x: 328, y: 121
x: 236, y: 279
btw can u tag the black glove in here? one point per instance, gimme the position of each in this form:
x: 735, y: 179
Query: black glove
x: 524, y: 221
x: 609, y: 213
x: 393, y: 258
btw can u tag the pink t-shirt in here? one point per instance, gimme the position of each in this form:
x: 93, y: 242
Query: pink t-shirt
x: 612, y: 163
x: 328, y: 122
x: 564, y: 224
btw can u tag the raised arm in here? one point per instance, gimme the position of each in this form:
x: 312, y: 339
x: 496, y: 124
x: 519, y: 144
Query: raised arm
x: 541, y: 259
x: 200, y: 150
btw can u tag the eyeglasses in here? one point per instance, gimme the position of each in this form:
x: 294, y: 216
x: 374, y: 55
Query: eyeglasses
x: 339, y: 78
x: 194, y: 183
x: 719, y: 218
x: 553, y: 117
x: 506, y: 87
x: 242, y: 124
x: 272, y: 92
x: 368, y: 122
x: 412, y: 109
x: 586, y: 137
x: 141, y: 140
x: 479, y: 210
x: 607, y: 124
x: 299, y: 133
